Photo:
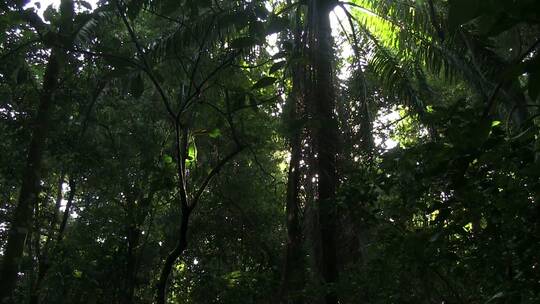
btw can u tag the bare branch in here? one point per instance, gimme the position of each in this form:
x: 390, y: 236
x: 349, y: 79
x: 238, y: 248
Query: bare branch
x: 198, y: 60
x: 199, y: 88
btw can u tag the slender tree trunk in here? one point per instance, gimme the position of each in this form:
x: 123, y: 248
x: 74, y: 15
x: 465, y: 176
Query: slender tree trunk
x: 133, y: 237
x: 325, y: 137
x: 186, y: 207
x: 67, y: 210
x: 57, y: 204
x: 23, y: 217
x: 44, y: 262
x: 172, y: 257
x: 181, y: 153
x: 42, y: 258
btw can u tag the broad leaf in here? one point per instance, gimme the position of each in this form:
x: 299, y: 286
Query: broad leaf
x: 214, y: 133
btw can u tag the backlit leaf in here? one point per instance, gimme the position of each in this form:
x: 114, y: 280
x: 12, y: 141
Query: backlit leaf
x: 214, y: 133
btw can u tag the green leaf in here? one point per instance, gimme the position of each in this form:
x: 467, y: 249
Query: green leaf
x: 192, y: 151
x: 264, y: 82
x: 214, y: 133
x: 277, y: 66
x: 167, y: 159
x: 77, y: 274
x: 191, y: 154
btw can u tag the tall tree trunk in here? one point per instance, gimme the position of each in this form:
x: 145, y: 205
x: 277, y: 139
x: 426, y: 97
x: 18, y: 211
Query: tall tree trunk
x: 293, y: 273
x: 325, y: 136
x: 23, y: 215
x: 293, y: 279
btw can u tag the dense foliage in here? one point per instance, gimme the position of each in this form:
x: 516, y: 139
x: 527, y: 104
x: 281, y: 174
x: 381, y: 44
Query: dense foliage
x: 279, y: 151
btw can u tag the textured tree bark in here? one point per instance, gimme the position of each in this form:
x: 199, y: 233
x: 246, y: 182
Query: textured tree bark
x: 293, y: 278
x: 325, y: 136
x: 293, y: 274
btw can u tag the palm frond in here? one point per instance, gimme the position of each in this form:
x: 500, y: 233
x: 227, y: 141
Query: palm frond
x: 213, y: 29
x: 406, y: 28
x: 394, y: 73
x: 87, y: 24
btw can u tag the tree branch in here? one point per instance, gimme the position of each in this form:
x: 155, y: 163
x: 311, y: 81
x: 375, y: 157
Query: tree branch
x: 147, y: 68
x: 213, y: 173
